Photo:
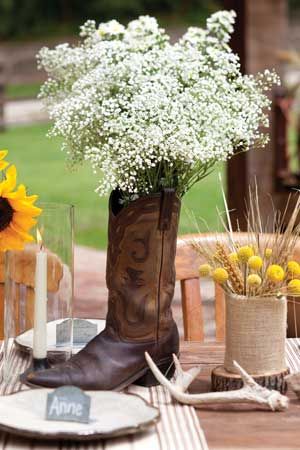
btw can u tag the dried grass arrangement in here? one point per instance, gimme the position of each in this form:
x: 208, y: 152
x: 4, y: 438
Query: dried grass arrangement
x: 263, y: 266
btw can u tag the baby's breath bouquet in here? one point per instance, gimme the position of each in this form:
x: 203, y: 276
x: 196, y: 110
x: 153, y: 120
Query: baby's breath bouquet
x: 148, y: 114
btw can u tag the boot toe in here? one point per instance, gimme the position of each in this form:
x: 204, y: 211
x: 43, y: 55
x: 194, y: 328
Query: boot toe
x: 50, y: 378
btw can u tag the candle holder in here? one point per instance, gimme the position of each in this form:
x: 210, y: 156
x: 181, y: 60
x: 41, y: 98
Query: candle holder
x: 38, y: 306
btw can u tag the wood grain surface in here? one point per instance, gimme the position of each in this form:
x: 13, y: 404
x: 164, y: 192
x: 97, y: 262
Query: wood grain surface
x: 222, y: 380
x: 239, y: 427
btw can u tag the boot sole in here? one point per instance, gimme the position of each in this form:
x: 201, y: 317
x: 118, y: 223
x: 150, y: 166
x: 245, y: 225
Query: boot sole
x: 167, y: 368
x: 143, y: 378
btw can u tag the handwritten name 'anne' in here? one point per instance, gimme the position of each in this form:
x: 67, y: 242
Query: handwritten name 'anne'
x: 61, y: 408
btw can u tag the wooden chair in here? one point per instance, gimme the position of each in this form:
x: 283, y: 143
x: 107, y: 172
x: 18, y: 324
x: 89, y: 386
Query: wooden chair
x: 187, y: 263
x: 21, y: 285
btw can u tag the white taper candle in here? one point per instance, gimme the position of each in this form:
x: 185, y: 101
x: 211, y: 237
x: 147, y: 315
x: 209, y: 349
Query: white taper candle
x: 40, y: 307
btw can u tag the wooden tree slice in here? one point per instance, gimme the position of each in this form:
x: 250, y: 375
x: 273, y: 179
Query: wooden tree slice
x: 221, y: 380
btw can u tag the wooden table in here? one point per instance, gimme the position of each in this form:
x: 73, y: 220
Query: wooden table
x: 234, y: 427
x: 239, y: 426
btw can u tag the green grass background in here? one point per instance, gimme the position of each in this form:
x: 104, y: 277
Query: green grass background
x: 41, y: 167
x: 21, y: 91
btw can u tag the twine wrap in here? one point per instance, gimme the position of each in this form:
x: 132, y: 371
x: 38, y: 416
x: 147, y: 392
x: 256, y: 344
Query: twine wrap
x: 255, y: 334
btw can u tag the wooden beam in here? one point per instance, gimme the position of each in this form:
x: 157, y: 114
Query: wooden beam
x: 237, y: 175
x: 238, y: 39
x: 260, y: 32
x: 2, y: 96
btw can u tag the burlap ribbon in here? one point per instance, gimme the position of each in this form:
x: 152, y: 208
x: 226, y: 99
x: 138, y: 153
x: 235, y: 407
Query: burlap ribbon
x: 255, y: 334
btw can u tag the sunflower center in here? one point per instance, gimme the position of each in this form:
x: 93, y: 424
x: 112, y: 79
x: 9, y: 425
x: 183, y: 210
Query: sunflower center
x: 6, y: 213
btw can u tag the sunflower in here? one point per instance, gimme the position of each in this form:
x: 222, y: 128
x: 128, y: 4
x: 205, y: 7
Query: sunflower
x: 17, y: 212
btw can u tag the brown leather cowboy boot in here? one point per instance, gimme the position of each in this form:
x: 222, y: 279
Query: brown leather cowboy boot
x: 140, y: 278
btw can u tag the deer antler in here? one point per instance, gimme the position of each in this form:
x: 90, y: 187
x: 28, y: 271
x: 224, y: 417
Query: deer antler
x: 251, y: 392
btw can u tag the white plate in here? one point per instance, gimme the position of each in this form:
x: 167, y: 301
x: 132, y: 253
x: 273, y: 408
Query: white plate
x: 25, y: 340
x: 112, y: 414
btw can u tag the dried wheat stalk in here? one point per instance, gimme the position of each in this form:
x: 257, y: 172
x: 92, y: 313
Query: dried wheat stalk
x: 235, y: 275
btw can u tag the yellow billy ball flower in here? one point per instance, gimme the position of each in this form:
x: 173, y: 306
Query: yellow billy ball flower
x: 293, y: 269
x: 233, y: 257
x: 268, y: 252
x: 253, y: 280
x: 255, y: 262
x: 205, y: 270
x: 220, y: 275
x: 244, y: 253
x: 294, y: 287
x: 275, y: 273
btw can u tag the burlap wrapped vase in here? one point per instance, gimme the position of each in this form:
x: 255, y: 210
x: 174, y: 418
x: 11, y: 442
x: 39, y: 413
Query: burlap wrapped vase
x: 255, y: 334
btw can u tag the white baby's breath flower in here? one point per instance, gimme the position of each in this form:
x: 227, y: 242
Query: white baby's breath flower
x: 148, y: 114
x: 112, y: 27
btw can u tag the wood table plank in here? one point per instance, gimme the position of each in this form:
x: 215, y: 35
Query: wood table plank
x: 201, y: 352
x: 239, y: 427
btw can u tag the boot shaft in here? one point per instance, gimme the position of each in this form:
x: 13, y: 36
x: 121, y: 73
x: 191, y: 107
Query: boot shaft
x: 140, y: 265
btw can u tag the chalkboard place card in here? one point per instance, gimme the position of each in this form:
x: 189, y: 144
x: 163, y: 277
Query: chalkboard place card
x: 68, y: 404
x: 64, y: 333
x: 83, y: 332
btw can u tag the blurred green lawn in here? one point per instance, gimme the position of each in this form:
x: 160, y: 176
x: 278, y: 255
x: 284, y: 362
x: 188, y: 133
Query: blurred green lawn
x: 20, y: 91
x: 42, y: 169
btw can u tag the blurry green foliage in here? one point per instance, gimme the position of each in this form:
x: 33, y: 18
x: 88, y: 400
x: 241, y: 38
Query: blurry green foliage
x: 21, y: 18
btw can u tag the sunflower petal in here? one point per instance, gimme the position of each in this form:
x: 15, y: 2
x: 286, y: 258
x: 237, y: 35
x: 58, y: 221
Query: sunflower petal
x: 11, y: 240
x: 3, y: 153
x: 24, y: 236
x: 20, y: 193
x: 3, y: 248
x: 9, y: 183
x: 25, y: 207
x: 3, y: 164
x: 31, y: 198
x: 23, y: 221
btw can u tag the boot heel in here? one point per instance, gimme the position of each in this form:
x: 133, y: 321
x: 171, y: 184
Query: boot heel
x: 148, y: 379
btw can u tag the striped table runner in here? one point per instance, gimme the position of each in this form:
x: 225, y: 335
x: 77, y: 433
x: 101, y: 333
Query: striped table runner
x: 292, y: 351
x: 178, y: 428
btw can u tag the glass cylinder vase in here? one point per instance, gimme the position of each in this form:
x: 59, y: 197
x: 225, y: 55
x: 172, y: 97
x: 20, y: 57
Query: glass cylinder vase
x: 38, y: 306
